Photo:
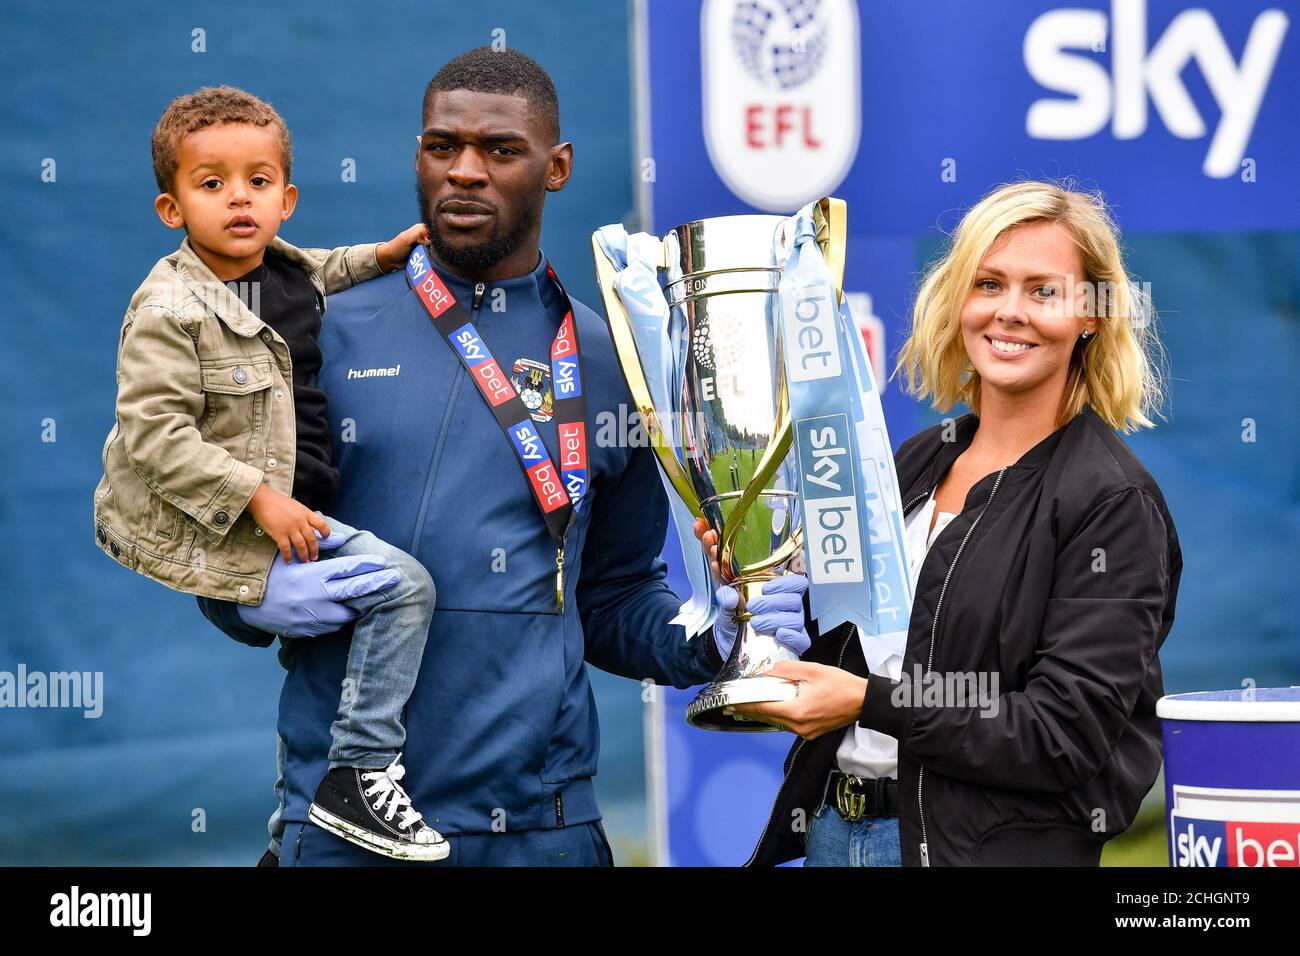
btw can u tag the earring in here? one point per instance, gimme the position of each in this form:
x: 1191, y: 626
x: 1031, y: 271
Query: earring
x: 1086, y: 333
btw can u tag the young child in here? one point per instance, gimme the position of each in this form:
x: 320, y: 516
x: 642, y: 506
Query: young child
x: 221, y: 455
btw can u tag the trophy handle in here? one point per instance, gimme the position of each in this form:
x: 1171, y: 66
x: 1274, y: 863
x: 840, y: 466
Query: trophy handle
x: 620, y: 327
x: 831, y: 217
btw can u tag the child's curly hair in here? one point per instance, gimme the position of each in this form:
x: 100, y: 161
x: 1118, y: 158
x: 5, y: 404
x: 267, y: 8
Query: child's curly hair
x: 208, y: 107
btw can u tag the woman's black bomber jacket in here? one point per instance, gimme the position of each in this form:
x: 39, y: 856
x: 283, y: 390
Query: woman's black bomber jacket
x: 1058, y: 580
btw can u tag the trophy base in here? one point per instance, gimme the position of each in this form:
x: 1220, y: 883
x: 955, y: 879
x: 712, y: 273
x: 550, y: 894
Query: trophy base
x: 706, y: 710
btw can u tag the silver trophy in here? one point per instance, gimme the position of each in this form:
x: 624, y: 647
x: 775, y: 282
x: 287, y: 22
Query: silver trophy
x: 725, y: 443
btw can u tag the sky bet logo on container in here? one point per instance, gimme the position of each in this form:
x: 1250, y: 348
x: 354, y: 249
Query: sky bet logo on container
x: 826, y: 465
x: 1234, y: 842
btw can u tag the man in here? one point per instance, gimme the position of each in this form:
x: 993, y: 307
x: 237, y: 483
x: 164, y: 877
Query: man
x: 502, y: 736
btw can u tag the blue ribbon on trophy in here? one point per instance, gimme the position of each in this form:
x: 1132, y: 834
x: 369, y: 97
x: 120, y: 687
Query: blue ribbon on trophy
x: 638, y: 259
x: 852, y: 514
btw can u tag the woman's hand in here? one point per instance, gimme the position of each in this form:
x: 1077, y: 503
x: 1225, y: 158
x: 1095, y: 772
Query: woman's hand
x: 709, y: 538
x: 393, y: 254
x: 828, y: 698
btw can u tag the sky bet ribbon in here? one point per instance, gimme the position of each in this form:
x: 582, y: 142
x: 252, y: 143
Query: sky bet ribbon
x: 852, y: 515
x: 636, y: 258
x: 558, y: 494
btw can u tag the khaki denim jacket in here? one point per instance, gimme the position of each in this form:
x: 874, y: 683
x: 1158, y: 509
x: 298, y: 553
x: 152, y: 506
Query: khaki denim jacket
x: 204, y: 416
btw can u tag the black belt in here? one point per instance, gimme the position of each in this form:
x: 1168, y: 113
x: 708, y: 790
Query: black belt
x: 859, y: 797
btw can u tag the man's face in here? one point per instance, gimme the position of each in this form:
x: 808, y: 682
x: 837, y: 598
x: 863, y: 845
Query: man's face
x: 230, y: 195
x: 485, y: 164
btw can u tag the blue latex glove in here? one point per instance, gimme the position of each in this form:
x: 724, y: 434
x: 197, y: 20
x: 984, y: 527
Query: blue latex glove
x: 779, y: 612
x: 302, y: 598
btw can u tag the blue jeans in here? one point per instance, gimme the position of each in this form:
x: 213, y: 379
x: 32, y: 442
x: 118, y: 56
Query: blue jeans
x: 383, y: 661
x: 834, y: 841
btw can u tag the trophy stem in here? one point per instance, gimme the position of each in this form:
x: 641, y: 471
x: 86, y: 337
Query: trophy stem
x: 742, y: 679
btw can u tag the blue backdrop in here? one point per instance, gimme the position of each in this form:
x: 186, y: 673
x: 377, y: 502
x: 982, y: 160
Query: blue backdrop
x: 944, y: 97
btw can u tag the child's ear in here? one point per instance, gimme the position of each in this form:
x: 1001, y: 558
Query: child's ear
x: 290, y: 201
x: 169, y: 211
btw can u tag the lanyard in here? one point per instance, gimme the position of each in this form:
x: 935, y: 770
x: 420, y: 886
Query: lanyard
x: 558, y: 492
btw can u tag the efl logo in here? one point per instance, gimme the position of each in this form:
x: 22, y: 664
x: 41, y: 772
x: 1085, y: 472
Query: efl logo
x: 826, y: 467
x: 1139, y: 71
x: 1249, y: 843
x: 782, y: 97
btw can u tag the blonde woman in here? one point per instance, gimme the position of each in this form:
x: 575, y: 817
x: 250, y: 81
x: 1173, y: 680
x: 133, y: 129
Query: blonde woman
x: 1045, y: 563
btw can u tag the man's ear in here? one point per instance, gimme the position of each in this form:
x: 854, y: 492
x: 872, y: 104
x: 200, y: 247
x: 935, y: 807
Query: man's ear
x: 561, y: 167
x: 290, y: 201
x: 169, y: 211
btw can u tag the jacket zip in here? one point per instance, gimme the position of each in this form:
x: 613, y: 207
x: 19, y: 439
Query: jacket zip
x: 929, y: 660
x: 799, y: 746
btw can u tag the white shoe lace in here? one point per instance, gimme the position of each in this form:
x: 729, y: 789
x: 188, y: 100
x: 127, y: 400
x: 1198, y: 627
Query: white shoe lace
x: 388, y: 789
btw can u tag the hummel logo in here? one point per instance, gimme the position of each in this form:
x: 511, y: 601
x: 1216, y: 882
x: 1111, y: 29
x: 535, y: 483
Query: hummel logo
x: 374, y: 372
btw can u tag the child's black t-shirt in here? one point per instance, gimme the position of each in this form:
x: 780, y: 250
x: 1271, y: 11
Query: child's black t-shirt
x: 286, y: 301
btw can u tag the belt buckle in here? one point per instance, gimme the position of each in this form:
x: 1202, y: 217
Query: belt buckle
x: 852, y: 806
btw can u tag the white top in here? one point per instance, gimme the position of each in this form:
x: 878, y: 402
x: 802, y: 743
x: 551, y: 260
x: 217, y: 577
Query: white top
x: 869, y: 753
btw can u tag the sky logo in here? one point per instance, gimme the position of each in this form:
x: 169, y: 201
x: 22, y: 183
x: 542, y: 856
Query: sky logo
x: 1061, y: 49
x: 469, y: 345
x: 568, y: 379
x: 831, y: 520
x: 1235, y: 843
x: 528, y: 443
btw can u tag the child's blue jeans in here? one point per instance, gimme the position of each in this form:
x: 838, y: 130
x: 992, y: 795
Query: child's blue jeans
x: 383, y: 661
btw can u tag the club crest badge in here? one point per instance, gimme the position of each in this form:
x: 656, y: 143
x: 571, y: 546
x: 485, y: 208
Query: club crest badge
x: 532, y: 380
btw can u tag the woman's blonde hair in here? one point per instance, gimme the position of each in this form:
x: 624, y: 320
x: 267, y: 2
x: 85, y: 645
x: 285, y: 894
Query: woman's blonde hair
x: 1115, y: 370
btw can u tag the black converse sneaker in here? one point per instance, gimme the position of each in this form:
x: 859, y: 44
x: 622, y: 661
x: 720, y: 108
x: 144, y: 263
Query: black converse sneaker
x: 370, y: 808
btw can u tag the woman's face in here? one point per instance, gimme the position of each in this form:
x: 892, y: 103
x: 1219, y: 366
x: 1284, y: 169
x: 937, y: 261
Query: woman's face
x: 1026, y: 308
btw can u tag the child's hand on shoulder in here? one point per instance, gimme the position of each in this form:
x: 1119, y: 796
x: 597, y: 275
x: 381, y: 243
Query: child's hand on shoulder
x: 392, y: 255
x: 290, y: 524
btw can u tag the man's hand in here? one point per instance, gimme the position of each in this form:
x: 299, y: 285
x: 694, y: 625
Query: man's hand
x: 302, y: 600
x: 778, y: 612
x: 828, y: 698
x: 393, y: 254
x: 290, y: 524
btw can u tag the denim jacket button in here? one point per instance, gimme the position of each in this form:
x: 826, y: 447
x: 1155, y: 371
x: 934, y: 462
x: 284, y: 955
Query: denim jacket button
x: 103, y: 538
x: 112, y: 546
x: 220, y: 518
x: 266, y: 336
x: 240, y: 376
x: 243, y: 589
x: 271, y: 463
x: 259, y: 532
x: 279, y: 393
